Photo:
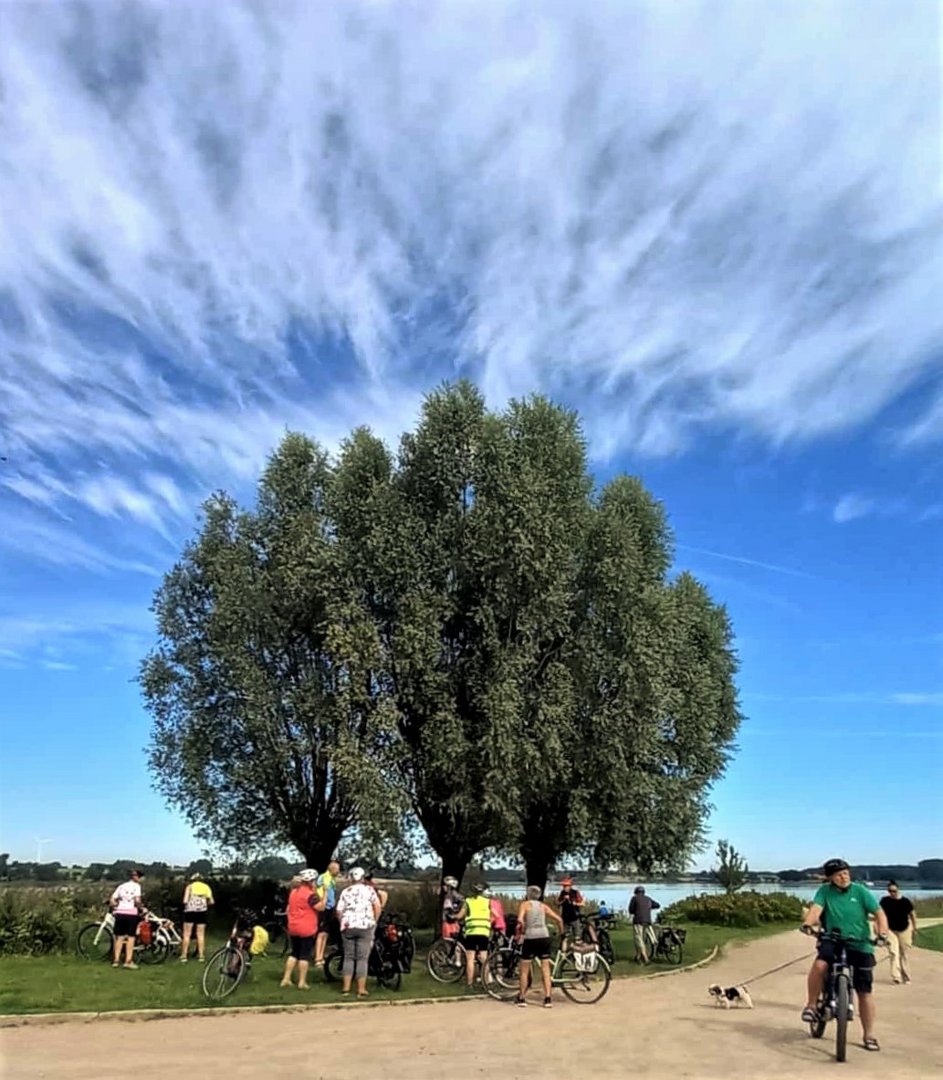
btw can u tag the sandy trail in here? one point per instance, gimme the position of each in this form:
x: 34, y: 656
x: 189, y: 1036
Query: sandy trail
x: 657, y: 1028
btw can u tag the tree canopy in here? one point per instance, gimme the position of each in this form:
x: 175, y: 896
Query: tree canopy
x: 466, y: 629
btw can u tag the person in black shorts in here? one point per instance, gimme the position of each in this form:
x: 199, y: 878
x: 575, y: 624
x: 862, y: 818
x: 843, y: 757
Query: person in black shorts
x: 534, y: 938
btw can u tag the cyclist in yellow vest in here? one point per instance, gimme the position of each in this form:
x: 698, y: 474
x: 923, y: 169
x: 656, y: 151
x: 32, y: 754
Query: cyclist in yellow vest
x: 476, y: 912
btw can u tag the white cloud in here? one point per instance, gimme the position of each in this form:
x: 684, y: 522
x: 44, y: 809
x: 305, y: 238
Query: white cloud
x: 231, y: 219
x: 851, y: 507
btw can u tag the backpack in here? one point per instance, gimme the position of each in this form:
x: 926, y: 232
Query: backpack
x: 260, y: 940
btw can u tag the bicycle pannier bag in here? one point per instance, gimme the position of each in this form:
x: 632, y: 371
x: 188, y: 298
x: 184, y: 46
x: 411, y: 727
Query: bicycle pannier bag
x: 145, y: 935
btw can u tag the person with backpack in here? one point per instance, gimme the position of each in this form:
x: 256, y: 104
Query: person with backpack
x: 197, y: 900
x: 304, y: 903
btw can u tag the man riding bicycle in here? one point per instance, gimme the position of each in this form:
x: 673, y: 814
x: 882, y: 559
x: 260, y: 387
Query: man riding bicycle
x: 843, y: 906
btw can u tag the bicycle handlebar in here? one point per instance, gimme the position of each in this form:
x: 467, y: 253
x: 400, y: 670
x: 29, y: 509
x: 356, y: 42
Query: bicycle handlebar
x: 818, y: 932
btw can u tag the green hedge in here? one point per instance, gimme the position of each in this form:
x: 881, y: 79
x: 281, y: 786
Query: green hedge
x: 742, y: 909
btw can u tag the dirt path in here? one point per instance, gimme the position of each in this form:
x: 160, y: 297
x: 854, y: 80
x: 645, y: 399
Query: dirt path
x: 657, y: 1028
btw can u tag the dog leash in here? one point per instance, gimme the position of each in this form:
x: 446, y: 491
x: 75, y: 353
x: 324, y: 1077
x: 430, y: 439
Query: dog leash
x: 779, y: 967
x: 789, y: 963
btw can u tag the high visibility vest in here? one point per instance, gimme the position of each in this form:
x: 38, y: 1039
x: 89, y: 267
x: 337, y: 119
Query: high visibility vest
x: 478, y: 919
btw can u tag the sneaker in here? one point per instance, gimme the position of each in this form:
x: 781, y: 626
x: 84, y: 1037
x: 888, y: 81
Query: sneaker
x: 548, y: 1004
x: 183, y: 959
x: 520, y: 1002
x: 132, y: 967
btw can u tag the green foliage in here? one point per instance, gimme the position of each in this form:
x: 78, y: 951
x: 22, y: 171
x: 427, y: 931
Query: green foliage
x: 743, y: 909
x: 731, y: 870
x: 266, y: 721
x: 466, y: 629
x: 31, y: 916
x: 930, y: 937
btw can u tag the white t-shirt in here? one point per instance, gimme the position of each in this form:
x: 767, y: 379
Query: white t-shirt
x: 126, y: 898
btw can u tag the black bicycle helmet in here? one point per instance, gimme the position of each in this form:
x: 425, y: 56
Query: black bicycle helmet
x: 833, y: 866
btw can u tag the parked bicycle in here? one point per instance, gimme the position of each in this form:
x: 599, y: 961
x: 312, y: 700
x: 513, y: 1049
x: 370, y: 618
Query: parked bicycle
x: 836, y: 1002
x: 231, y: 963
x: 578, y: 970
x: 669, y: 944
x: 601, y: 924
x: 155, y: 940
x: 390, y: 957
x: 446, y: 958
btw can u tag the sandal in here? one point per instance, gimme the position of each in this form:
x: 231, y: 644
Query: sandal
x: 871, y: 1043
x: 809, y: 1016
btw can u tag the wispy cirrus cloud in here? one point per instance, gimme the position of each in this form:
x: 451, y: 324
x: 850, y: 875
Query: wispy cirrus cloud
x: 850, y: 507
x: 232, y: 219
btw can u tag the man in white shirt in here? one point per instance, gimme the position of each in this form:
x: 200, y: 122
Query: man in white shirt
x: 126, y: 906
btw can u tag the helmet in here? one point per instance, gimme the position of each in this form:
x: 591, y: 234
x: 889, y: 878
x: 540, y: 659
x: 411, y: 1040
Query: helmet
x: 479, y: 887
x: 308, y: 875
x: 450, y: 882
x: 566, y: 882
x: 833, y: 866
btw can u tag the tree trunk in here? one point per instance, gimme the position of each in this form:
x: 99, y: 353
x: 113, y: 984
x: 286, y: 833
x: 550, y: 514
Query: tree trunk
x: 537, y: 869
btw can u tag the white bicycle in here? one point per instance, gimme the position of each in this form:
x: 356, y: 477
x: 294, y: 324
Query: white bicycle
x: 156, y: 939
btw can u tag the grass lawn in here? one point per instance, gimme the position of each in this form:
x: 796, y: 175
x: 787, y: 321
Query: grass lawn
x: 930, y: 937
x: 68, y: 983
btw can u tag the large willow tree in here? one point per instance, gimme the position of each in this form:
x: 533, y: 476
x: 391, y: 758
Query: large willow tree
x: 465, y: 627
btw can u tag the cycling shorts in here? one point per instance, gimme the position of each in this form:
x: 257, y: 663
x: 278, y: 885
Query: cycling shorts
x: 862, y: 963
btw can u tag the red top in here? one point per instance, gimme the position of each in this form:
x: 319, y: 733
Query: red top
x: 302, y: 918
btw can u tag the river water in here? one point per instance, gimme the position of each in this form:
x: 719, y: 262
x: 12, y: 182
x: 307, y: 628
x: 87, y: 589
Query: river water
x: 617, y: 896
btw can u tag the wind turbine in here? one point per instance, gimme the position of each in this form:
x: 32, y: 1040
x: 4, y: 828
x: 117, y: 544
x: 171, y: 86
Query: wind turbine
x: 39, y: 846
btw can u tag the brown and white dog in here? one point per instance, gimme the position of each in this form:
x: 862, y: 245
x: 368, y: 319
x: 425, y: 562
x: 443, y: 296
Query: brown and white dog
x: 727, y: 995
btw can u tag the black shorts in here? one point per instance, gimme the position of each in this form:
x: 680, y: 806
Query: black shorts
x: 477, y: 942
x: 327, y: 921
x: 862, y: 976
x: 537, y: 948
x: 196, y: 918
x: 126, y: 925
x: 302, y: 947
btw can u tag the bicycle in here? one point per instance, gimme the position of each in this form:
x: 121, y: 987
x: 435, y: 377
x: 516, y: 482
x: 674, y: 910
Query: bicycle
x: 836, y: 1001
x: 579, y: 971
x: 601, y: 925
x: 228, y: 966
x: 446, y: 958
x: 96, y: 940
x: 669, y: 944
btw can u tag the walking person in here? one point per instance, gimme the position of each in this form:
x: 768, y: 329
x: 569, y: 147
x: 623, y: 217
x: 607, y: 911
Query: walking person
x: 641, y: 907
x: 534, y: 938
x: 127, y: 904
x: 902, y: 923
x: 197, y: 901
x: 358, y: 908
x: 304, y: 903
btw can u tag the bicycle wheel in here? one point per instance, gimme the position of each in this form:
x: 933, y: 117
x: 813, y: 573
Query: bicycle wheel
x: 95, y: 942
x: 501, y: 976
x: 446, y: 960
x: 224, y: 971
x: 673, y: 951
x: 155, y: 952
x: 333, y: 966
x: 409, y: 951
x: 584, y: 987
x: 842, y: 1001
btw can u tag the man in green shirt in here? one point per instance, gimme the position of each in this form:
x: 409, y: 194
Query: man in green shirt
x: 844, y: 906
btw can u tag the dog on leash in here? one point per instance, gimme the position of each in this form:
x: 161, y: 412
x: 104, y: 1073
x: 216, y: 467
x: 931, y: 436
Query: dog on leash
x: 728, y: 995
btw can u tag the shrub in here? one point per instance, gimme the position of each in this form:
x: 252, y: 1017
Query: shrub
x: 31, y: 916
x: 743, y: 909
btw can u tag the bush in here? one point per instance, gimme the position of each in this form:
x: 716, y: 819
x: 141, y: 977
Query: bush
x: 31, y: 916
x: 743, y: 909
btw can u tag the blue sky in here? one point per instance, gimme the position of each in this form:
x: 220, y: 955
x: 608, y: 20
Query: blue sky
x: 714, y: 229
